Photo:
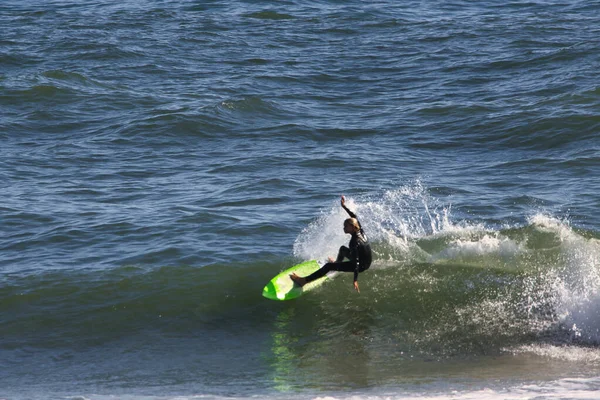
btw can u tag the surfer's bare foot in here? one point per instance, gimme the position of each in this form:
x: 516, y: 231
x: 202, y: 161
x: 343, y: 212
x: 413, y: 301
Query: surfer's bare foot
x: 299, y: 280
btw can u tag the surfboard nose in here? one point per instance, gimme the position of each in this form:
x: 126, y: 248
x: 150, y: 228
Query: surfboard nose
x: 270, y: 292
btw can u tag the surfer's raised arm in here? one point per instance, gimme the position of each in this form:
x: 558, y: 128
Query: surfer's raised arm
x: 343, y: 202
x: 351, y: 214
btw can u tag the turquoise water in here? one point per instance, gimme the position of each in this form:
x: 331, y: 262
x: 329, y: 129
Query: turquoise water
x: 161, y: 161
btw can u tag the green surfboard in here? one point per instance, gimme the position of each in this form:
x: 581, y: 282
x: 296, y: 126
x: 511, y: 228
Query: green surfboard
x: 283, y: 288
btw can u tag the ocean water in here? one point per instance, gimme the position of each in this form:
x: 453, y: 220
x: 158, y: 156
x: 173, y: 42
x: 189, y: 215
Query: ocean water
x: 160, y: 161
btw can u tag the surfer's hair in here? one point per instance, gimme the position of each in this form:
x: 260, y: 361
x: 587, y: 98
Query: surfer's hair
x: 353, y: 222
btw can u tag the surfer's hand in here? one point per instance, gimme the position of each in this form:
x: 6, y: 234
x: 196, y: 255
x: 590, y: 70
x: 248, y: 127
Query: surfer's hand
x: 356, y: 286
x: 331, y: 259
x: 343, y: 201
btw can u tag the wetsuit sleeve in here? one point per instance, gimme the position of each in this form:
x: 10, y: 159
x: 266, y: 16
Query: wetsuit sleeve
x: 355, y: 258
x: 352, y: 215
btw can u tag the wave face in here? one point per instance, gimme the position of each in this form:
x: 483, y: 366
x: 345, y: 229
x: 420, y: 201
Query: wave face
x: 438, y: 287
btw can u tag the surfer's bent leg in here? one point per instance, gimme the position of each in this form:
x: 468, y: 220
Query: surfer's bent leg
x: 335, y: 266
x: 343, y: 253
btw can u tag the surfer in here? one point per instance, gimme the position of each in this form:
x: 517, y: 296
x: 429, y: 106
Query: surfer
x: 358, y: 253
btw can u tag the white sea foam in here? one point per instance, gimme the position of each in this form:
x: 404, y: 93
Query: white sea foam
x: 481, y: 246
x: 323, y: 237
x: 394, y: 220
x: 580, y: 355
x: 571, y: 388
x: 575, y: 280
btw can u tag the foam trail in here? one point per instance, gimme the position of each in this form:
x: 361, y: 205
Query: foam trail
x: 393, y: 221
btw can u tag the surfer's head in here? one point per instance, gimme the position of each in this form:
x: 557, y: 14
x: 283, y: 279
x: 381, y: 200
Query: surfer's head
x: 351, y: 225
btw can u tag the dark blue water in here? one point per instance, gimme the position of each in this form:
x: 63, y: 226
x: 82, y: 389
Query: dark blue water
x: 161, y: 161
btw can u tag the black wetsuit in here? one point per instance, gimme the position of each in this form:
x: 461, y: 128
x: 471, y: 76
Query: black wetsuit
x: 358, y: 253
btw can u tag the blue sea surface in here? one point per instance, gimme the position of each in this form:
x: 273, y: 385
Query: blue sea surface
x: 161, y: 161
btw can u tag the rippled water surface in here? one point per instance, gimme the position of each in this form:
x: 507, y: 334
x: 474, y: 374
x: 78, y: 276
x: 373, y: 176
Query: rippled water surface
x: 161, y: 161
